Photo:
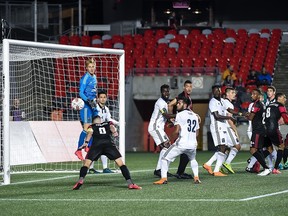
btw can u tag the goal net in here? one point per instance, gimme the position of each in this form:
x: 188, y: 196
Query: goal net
x: 39, y: 129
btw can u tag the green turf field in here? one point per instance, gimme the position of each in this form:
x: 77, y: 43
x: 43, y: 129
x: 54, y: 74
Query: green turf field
x: 107, y: 194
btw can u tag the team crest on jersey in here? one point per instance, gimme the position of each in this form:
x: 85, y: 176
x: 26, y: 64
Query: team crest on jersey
x: 223, y: 140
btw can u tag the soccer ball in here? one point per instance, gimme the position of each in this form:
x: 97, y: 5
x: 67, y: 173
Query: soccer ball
x: 77, y: 104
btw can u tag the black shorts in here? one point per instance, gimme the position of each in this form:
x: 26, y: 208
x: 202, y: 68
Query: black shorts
x: 257, y: 140
x: 110, y: 150
x: 275, y: 137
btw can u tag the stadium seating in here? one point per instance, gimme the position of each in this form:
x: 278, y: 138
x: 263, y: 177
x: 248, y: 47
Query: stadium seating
x: 210, y: 48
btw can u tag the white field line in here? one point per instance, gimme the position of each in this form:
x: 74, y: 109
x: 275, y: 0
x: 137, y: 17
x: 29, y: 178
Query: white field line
x: 136, y: 200
x: 72, y: 176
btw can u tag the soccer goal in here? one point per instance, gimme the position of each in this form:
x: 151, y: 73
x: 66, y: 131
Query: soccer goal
x: 39, y: 129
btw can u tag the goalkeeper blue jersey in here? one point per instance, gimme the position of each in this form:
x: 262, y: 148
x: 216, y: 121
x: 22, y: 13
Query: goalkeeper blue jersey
x: 88, y: 87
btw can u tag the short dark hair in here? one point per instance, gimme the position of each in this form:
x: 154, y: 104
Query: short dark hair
x: 187, y: 82
x: 163, y: 87
x: 257, y: 90
x: 272, y: 87
x: 215, y: 86
x: 94, y: 117
x: 102, y: 91
x: 280, y: 94
x: 185, y: 100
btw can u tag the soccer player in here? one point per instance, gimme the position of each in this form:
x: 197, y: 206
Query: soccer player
x: 273, y: 113
x: 88, y: 93
x: 218, y: 128
x: 186, y: 129
x: 103, y: 144
x: 271, y: 92
x: 233, y: 137
x: 157, y: 124
x: 184, y: 160
x: 103, y: 111
x: 258, y: 131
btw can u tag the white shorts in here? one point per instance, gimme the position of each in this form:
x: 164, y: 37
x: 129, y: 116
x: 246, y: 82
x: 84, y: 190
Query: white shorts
x: 219, y: 135
x: 174, y: 151
x: 232, y: 139
x: 159, y: 136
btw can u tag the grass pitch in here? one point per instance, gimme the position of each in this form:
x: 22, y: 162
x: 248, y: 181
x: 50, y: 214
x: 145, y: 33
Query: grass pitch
x: 107, y: 194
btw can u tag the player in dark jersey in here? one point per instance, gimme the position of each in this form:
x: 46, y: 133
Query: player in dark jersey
x: 258, y: 131
x: 273, y: 113
x: 103, y: 144
x: 184, y: 160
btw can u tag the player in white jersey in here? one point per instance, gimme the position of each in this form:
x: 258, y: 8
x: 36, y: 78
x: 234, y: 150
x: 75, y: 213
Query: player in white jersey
x: 218, y: 128
x: 186, y: 131
x: 233, y: 137
x: 103, y: 111
x: 157, y: 125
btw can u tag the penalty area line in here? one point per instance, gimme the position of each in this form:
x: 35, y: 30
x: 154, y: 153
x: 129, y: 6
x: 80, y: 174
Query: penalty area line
x: 264, y: 195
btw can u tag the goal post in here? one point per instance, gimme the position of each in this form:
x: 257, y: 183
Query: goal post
x: 42, y: 132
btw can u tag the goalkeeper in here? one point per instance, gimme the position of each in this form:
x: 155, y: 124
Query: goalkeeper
x: 88, y: 92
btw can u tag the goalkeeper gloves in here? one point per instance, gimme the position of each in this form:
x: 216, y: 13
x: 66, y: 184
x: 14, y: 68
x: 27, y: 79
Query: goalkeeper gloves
x: 92, y: 103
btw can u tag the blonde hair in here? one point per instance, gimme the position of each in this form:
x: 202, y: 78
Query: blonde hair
x: 90, y: 61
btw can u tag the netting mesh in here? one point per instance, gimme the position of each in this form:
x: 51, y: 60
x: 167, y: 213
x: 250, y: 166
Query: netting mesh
x: 43, y: 82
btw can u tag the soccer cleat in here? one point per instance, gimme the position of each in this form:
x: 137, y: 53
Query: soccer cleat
x: 256, y: 167
x: 78, y: 185
x: 276, y: 171
x: 78, y: 153
x: 197, y: 180
x: 170, y: 174
x: 219, y: 174
x: 265, y: 172
x: 107, y: 170
x: 183, y: 176
x: 208, y: 168
x: 134, y: 186
x: 161, y: 181
x: 93, y: 171
x: 228, y: 167
x: 86, y: 149
x: 224, y: 171
x: 286, y: 165
x: 157, y: 173
x: 281, y: 167
x: 249, y: 170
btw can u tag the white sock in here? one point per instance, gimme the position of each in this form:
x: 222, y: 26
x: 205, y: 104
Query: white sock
x: 92, y: 165
x: 273, y: 155
x: 253, y: 160
x: 164, y: 168
x: 160, y: 158
x: 232, y: 154
x: 212, y: 159
x: 270, y: 162
x: 104, y: 160
x: 194, y: 167
x: 219, y: 162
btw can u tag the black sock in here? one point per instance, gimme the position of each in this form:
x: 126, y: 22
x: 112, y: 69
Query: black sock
x: 125, y: 172
x: 260, y: 159
x: 266, y: 153
x: 83, y: 171
x: 285, y: 155
x: 279, y: 158
x: 184, y: 160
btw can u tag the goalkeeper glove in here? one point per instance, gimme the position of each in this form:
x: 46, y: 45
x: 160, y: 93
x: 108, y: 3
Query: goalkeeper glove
x: 92, y: 103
